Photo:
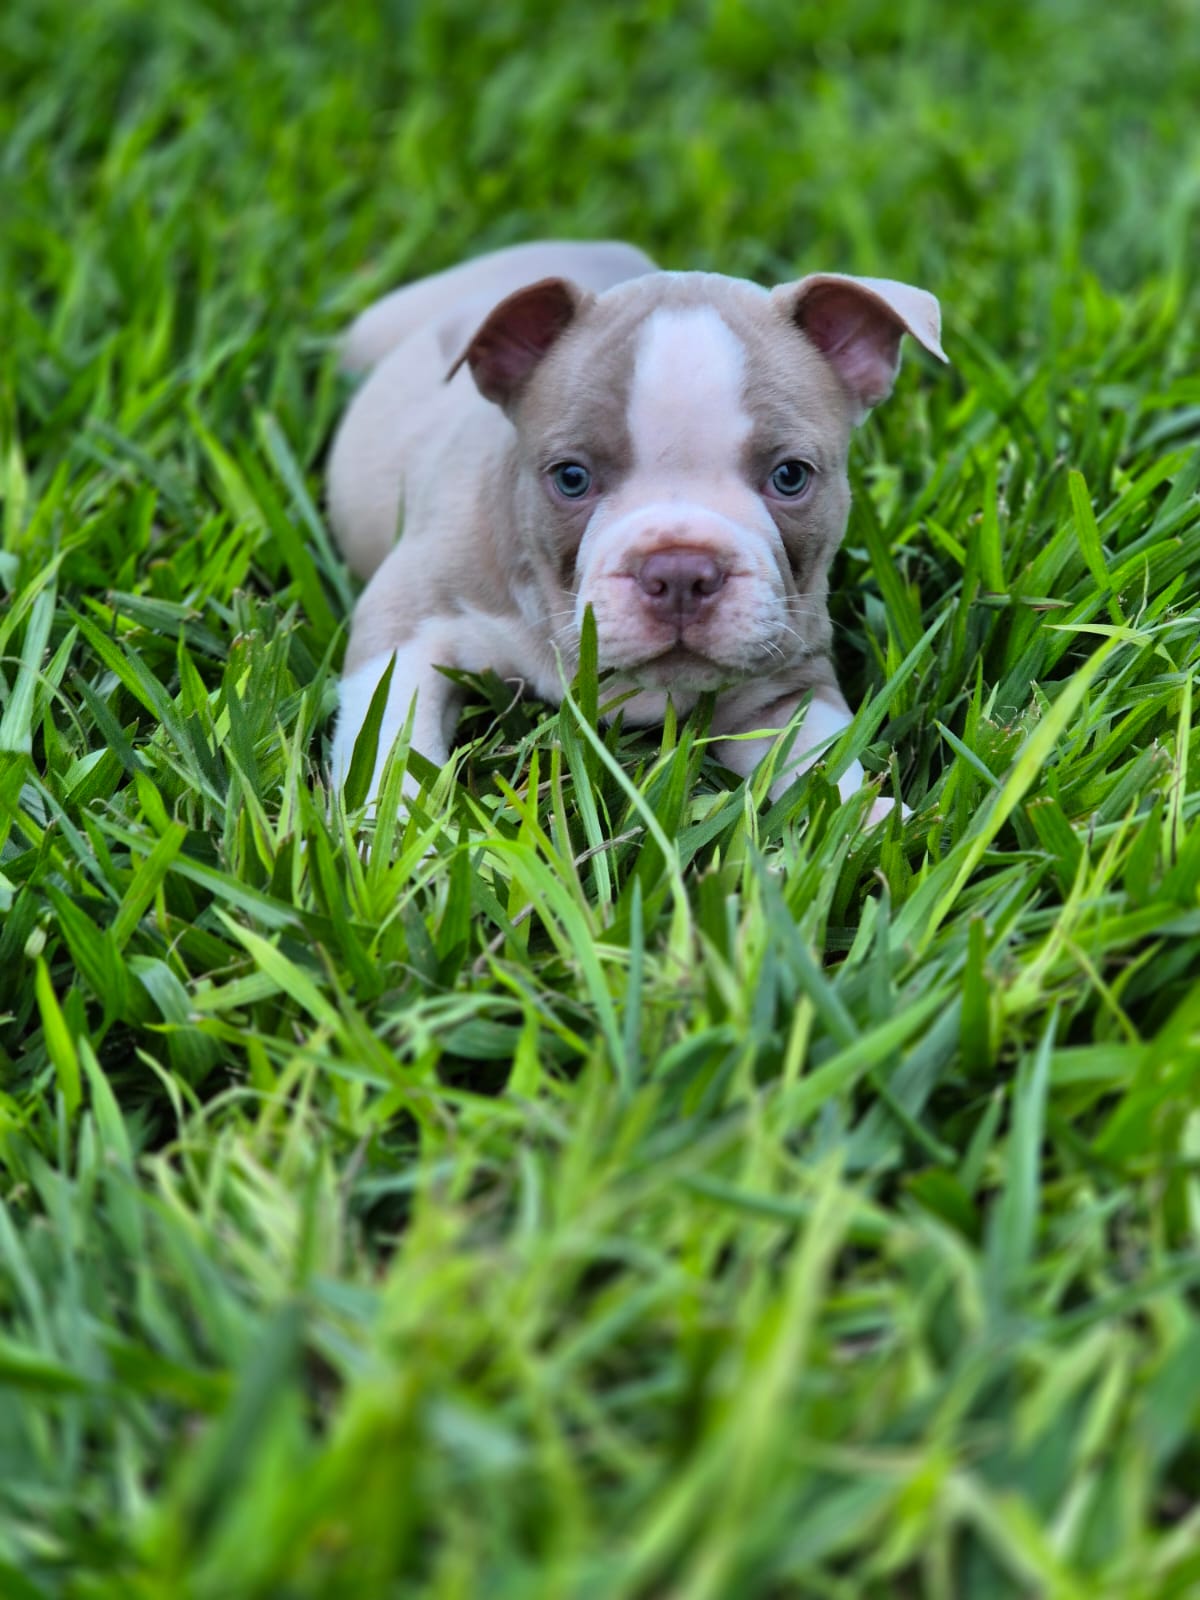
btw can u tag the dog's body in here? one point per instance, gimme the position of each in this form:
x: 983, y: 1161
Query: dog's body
x: 669, y: 448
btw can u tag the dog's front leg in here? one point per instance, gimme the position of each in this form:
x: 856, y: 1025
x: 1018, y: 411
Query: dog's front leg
x: 828, y: 715
x: 417, y: 687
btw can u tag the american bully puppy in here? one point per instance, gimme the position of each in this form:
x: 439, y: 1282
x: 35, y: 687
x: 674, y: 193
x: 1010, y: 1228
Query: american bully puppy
x: 562, y: 425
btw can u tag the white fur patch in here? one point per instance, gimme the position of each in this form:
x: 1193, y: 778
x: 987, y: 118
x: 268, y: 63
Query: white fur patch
x: 685, y: 402
x: 688, y: 428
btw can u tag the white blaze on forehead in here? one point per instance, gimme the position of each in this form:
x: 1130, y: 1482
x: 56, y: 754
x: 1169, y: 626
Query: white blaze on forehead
x: 685, y: 403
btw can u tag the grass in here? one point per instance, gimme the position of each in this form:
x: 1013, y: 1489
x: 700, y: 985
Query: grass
x: 605, y: 1184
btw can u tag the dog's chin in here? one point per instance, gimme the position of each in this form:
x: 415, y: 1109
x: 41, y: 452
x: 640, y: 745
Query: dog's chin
x: 681, y: 670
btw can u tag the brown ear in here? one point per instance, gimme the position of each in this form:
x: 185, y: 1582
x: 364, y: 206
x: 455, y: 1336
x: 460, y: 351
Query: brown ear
x: 516, y: 335
x: 857, y: 325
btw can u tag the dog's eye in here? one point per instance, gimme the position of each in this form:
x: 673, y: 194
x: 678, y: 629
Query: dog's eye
x: 791, y: 478
x: 571, y: 479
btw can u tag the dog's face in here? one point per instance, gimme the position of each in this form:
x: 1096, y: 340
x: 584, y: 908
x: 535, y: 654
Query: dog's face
x: 682, y: 444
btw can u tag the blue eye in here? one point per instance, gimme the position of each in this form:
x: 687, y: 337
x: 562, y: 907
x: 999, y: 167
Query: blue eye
x: 791, y: 478
x: 572, y: 479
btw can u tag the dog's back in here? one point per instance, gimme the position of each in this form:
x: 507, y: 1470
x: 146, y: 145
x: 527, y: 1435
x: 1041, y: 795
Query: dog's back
x: 471, y: 289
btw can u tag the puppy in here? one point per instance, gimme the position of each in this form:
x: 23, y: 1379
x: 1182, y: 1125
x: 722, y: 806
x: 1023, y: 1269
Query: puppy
x: 562, y: 425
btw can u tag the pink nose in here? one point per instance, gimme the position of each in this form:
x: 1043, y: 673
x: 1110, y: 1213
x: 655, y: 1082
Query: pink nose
x: 677, y: 583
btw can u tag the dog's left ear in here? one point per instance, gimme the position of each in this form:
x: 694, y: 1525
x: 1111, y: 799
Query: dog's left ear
x: 857, y: 325
x: 515, y: 336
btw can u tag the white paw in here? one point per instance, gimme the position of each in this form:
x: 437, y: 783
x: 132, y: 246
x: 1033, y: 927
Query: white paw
x: 882, y: 808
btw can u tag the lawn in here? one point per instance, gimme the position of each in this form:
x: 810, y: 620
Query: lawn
x: 599, y: 1182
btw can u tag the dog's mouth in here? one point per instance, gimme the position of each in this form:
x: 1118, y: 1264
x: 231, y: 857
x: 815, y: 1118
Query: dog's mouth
x: 678, y: 666
x: 680, y: 654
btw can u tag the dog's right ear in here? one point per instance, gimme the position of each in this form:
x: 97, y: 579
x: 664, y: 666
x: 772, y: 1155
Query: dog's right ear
x: 516, y: 335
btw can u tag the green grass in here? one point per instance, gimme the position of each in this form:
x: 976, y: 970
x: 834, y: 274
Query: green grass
x: 603, y: 1184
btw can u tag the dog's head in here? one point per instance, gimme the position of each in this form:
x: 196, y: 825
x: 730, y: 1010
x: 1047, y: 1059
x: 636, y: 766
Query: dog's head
x: 682, y: 445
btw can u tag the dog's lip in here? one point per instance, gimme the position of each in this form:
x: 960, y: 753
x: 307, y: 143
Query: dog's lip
x: 680, y: 658
x: 680, y: 652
